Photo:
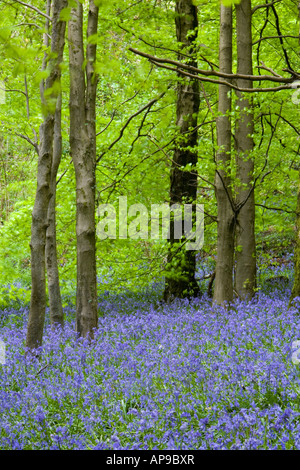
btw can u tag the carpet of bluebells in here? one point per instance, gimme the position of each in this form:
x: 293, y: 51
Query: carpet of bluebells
x: 187, y: 375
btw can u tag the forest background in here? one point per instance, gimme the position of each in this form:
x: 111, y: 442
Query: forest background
x: 136, y: 129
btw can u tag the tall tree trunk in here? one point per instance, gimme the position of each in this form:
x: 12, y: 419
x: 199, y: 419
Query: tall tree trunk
x: 223, y: 290
x: 83, y: 151
x: 183, y: 184
x: 245, y: 280
x: 43, y: 192
x: 296, y: 286
x: 56, y: 310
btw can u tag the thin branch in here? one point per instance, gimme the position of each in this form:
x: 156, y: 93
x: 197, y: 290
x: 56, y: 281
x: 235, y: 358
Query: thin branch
x: 237, y: 207
x: 261, y: 35
x: 115, y: 182
x: 114, y: 113
x: 289, y: 123
x: 223, y: 82
x: 209, y: 73
x: 107, y: 125
x: 41, y: 370
x: 264, y: 5
x: 63, y: 174
x: 264, y: 176
x: 28, y: 24
x: 292, y: 72
x: 269, y: 143
x: 7, y: 90
x: 34, y: 144
x: 276, y: 209
x: 122, y: 104
x: 206, y: 99
x: 232, y: 204
x: 274, y: 37
x: 131, y: 97
x: 27, y: 97
x: 35, y: 9
x: 130, y: 6
x: 155, y: 46
x: 242, y: 203
x: 160, y: 149
x: 280, y: 37
x: 140, y: 130
x: 148, y: 105
x: 264, y: 67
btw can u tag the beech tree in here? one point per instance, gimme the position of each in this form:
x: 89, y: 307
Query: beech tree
x: 83, y: 85
x: 43, y: 193
x: 236, y: 215
x: 223, y: 290
x: 55, y: 303
x: 296, y: 285
x: 245, y: 275
x: 181, y: 281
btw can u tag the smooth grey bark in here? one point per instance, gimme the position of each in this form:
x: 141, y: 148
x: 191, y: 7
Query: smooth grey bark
x: 43, y: 193
x: 245, y: 275
x: 183, y: 184
x: 83, y: 84
x: 55, y: 303
x: 223, y: 289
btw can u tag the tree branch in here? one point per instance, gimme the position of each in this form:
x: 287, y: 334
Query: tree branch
x: 208, y: 73
x: 7, y: 90
x: 120, y: 12
x: 275, y: 37
x: 155, y: 46
x: 280, y: 37
x: 35, y: 9
x: 264, y: 5
x: 275, y: 209
x: 34, y: 144
x: 148, y: 105
x: 108, y: 124
x: 264, y: 67
x: 223, y: 82
x: 289, y: 123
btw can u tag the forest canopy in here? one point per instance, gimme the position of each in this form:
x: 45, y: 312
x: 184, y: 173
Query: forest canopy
x: 160, y: 102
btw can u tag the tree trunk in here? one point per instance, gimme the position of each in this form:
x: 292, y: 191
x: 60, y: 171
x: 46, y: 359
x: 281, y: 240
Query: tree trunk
x: 223, y: 291
x: 43, y: 192
x: 83, y: 151
x: 245, y: 280
x: 296, y: 286
x: 56, y: 311
x: 183, y: 184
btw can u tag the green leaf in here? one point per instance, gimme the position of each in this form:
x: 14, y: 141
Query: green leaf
x: 229, y: 3
x: 65, y: 14
x: 93, y: 39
